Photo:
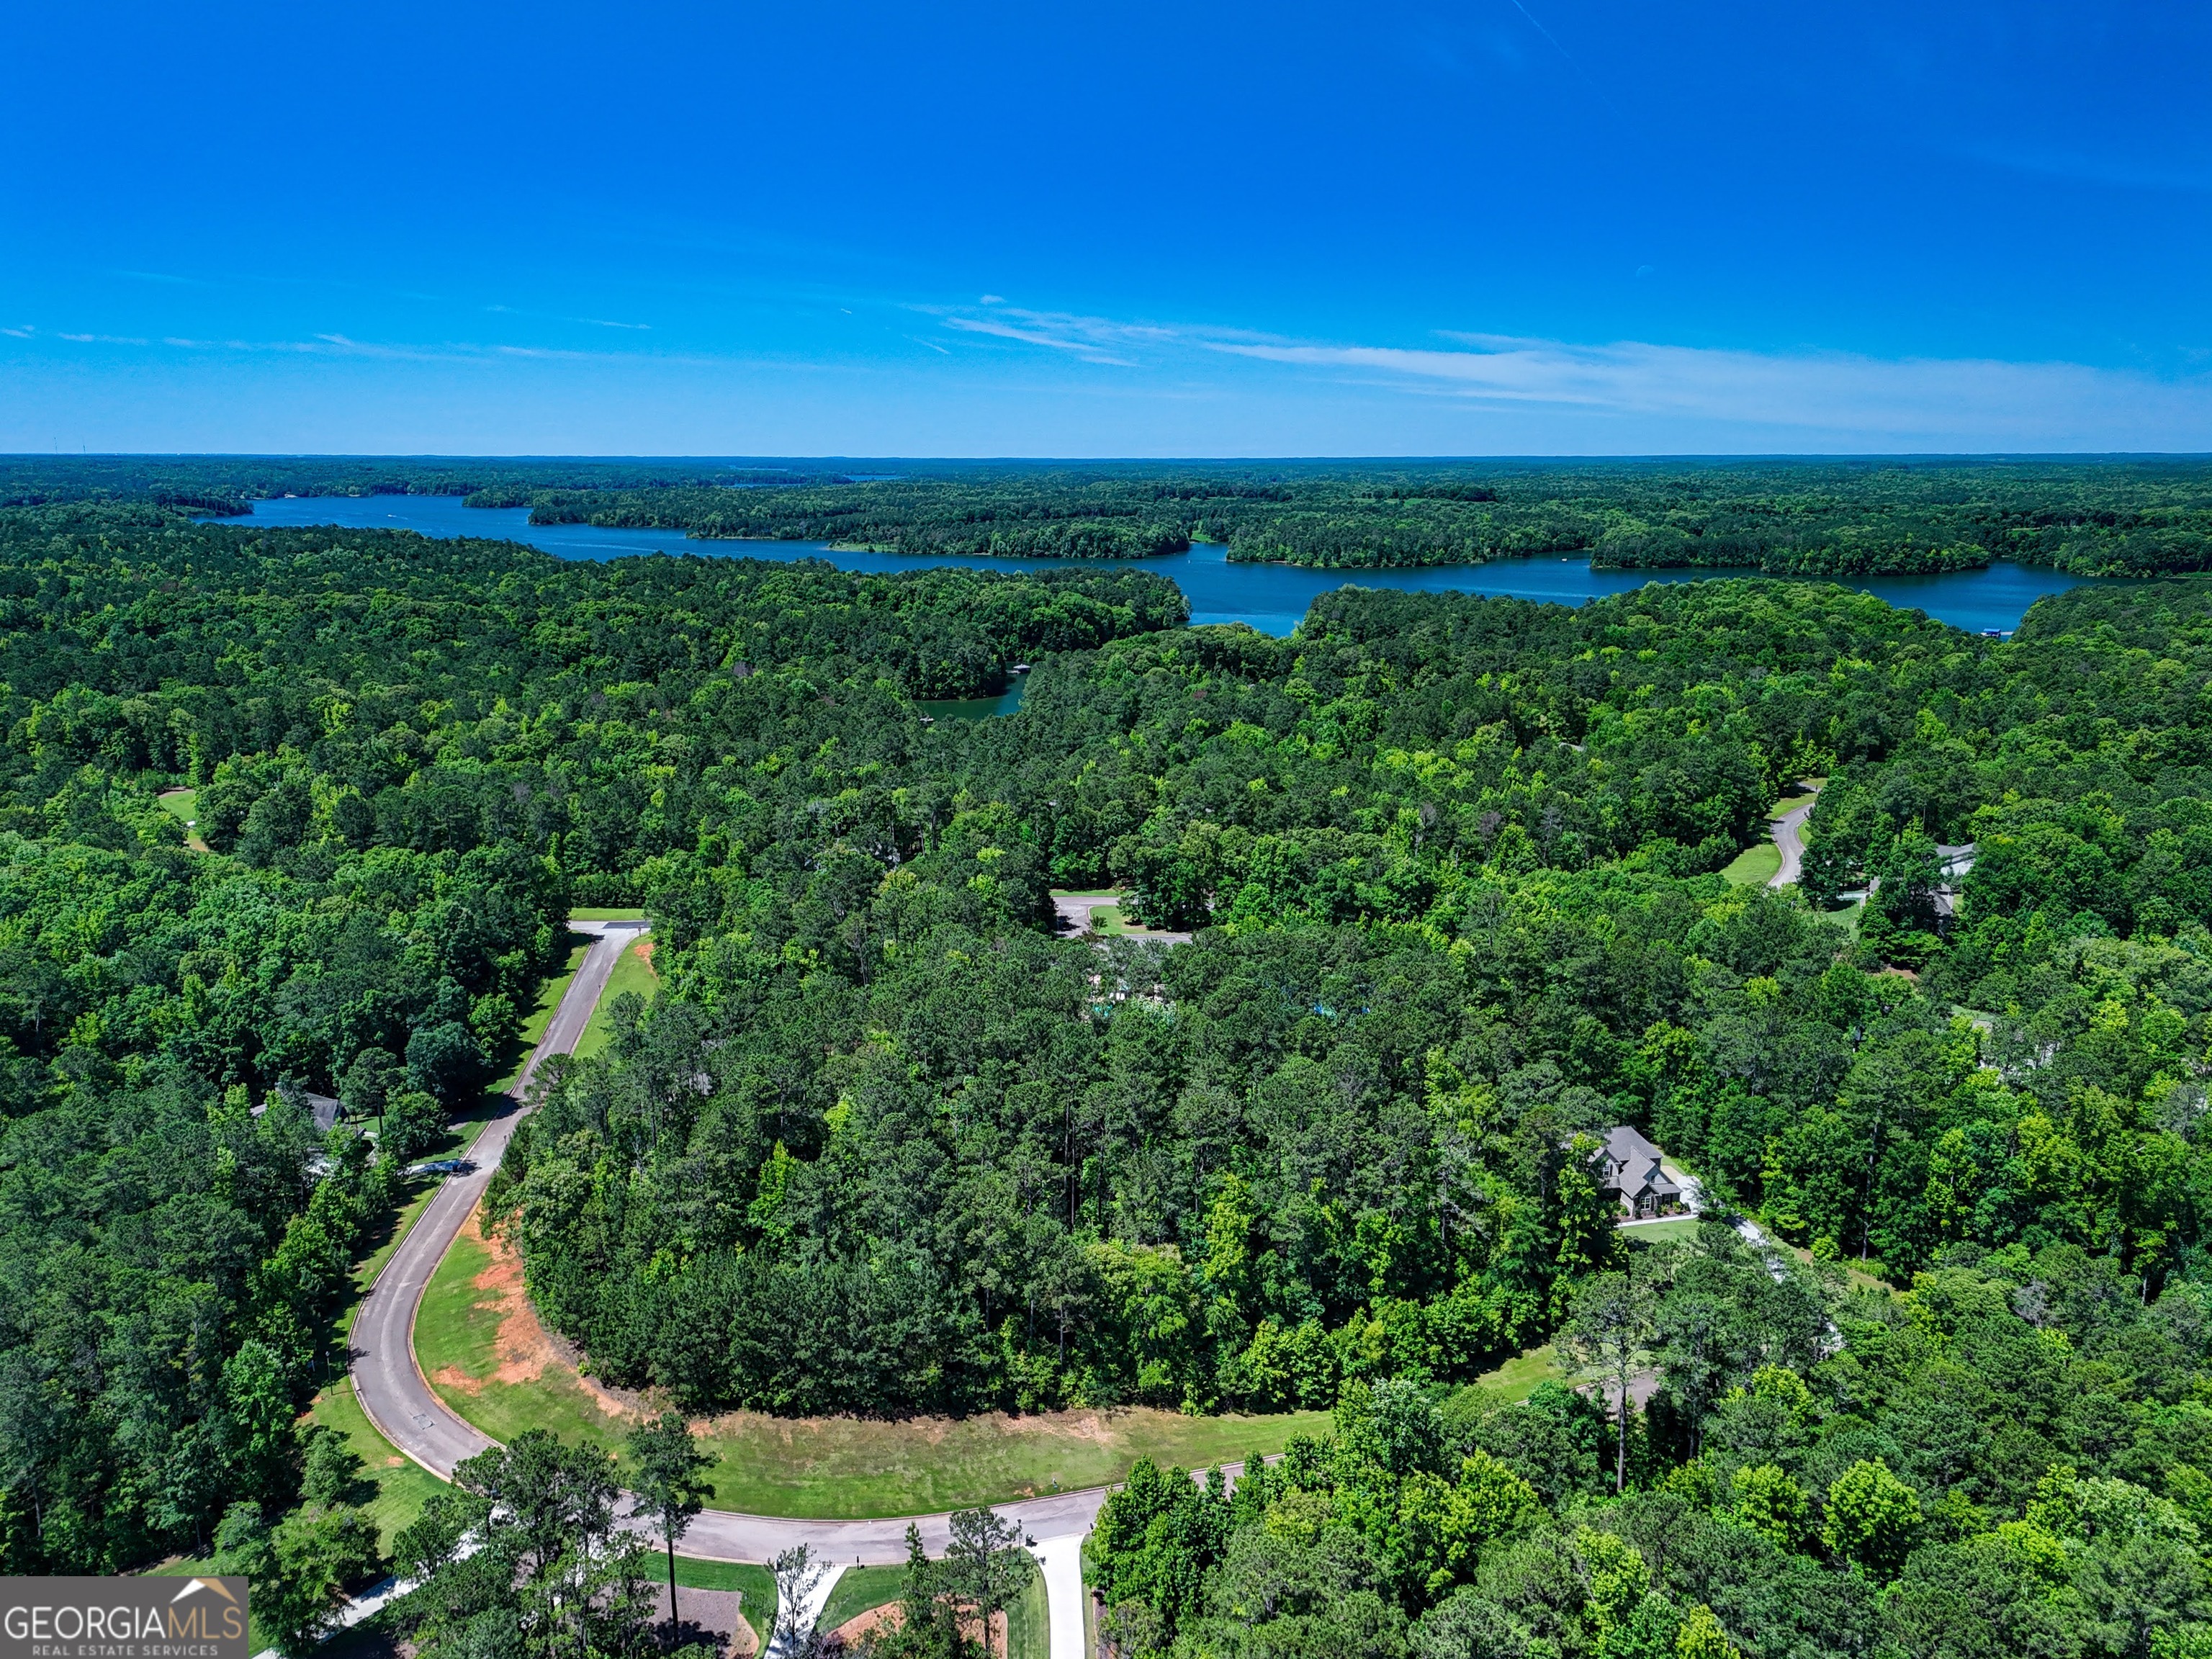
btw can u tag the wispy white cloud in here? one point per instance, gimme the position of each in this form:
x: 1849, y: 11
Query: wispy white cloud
x: 1087, y: 349
x: 103, y: 339
x: 1825, y: 393
x: 1826, y: 397
x: 560, y: 317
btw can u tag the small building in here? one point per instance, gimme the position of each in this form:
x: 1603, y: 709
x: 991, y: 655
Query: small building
x: 1634, y: 1174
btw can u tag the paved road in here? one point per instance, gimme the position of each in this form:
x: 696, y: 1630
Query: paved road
x: 392, y: 1391
x: 1789, y: 832
x: 385, y: 1377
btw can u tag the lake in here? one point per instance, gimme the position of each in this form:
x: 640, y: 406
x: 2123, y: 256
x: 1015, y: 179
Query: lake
x: 1272, y: 598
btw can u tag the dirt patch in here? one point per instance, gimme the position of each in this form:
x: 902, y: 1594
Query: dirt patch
x: 891, y: 1615
x: 711, y: 1618
x: 644, y: 950
x: 525, y: 1349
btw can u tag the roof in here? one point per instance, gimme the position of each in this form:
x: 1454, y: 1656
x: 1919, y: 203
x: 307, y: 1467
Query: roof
x: 1632, y: 1164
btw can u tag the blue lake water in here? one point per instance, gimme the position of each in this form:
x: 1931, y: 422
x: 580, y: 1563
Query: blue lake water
x: 1272, y: 598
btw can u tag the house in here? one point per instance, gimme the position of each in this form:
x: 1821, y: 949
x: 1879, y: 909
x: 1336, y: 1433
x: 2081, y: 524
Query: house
x: 1632, y: 1172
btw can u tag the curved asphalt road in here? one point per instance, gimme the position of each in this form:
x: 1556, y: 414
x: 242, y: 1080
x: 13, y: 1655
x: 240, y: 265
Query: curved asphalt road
x: 402, y: 1405
x: 385, y: 1377
x: 1789, y: 832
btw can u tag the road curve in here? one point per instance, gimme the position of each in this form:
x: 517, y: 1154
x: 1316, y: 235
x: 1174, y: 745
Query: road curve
x: 386, y: 1378
x: 397, y: 1400
x: 1789, y: 832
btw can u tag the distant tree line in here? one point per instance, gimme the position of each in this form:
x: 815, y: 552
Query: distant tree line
x: 1784, y: 518
x: 1827, y: 518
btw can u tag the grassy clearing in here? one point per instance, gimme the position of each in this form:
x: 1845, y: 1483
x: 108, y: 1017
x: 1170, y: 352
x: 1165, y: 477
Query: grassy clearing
x: 845, y: 1467
x: 184, y: 805
x: 1849, y: 918
x: 1516, y: 1379
x: 858, y: 1590
x: 402, y: 1485
x: 1788, y: 805
x: 609, y: 913
x: 1860, y: 1280
x: 1650, y: 1232
x: 633, y: 973
x: 1755, y: 866
x: 836, y: 1468
x: 1028, y: 1623
x: 1108, y: 919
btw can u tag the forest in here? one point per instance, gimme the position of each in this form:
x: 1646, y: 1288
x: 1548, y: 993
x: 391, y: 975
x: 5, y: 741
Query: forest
x: 886, y: 1144
x: 1802, y: 519
x: 1830, y: 518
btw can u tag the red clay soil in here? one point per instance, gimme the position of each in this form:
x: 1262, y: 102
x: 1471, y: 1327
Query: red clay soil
x: 891, y: 1615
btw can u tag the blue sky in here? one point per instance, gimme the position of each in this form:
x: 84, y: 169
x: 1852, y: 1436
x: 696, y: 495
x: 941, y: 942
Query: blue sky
x: 1501, y: 227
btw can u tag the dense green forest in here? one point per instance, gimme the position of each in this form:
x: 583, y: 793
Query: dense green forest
x: 1824, y: 518
x: 887, y: 1144
x: 1827, y: 519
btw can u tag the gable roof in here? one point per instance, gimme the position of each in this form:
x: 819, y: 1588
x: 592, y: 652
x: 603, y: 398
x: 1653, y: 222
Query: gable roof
x: 1632, y: 1164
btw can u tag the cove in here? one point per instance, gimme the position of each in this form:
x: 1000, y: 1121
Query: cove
x: 1272, y: 598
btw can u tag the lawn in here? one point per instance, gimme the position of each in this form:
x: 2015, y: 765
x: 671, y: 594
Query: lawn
x: 1028, y: 1623
x: 633, y: 972
x: 1028, y: 1620
x: 608, y: 913
x: 402, y: 1485
x: 858, y: 1590
x: 1516, y: 1379
x: 1755, y: 866
x: 1650, y: 1232
x: 184, y: 805
x: 1108, y: 919
x: 838, y: 1467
